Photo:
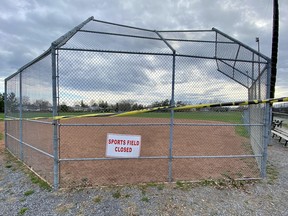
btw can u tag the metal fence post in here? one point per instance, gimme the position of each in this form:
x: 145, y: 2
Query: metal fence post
x: 55, y: 122
x: 20, y: 116
x: 259, y: 71
x: 172, y: 103
x: 247, y: 114
x: 267, y: 124
x: 5, y: 113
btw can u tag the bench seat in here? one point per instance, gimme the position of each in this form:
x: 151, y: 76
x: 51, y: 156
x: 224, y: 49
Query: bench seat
x: 281, y: 135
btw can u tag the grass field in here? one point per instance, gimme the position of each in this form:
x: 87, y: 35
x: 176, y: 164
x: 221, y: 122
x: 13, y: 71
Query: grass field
x: 231, y: 117
x: 46, y: 114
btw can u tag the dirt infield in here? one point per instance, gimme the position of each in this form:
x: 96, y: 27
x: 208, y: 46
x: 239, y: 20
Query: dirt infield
x: 90, y: 142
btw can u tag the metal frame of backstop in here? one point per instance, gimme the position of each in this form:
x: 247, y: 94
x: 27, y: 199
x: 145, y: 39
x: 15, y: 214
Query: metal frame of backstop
x: 230, y: 57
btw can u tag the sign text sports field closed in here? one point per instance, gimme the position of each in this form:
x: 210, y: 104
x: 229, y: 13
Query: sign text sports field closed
x: 123, y: 145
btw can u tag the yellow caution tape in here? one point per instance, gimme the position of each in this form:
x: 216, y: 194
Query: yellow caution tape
x: 83, y: 116
x: 237, y: 103
x: 134, y: 112
x: 185, y: 107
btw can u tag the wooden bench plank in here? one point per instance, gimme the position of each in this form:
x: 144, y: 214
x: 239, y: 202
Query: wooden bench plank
x: 280, y: 135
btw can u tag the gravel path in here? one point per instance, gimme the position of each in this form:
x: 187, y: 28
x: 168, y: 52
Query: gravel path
x: 19, y: 196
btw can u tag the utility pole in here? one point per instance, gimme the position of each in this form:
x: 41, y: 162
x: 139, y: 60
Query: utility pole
x: 274, y: 53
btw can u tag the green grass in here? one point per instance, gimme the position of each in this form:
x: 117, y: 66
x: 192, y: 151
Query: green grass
x: 28, y: 193
x: 12, y: 162
x: 160, y: 186
x: 183, y: 185
x: 36, y: 180
x: 1, y: 116
x: 145, y: 199
x: 231, y: 117
x: 116, y: 195
x: 46, y: 114
x: 22, y: 211
x: 241, y: 130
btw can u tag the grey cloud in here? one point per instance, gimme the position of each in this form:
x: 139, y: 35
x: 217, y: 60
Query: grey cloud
x: 116, y: 43
x: 29, y: 27
x: 104, y: 72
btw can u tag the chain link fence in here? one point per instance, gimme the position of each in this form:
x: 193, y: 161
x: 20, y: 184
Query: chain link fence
x: 106, y: 68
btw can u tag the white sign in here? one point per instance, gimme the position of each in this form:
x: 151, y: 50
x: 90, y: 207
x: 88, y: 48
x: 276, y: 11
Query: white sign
x: 123, y: 145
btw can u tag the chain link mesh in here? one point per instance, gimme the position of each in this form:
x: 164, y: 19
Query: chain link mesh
x: 27, y: 138
x: 12, y: 111
x: 105, y: 68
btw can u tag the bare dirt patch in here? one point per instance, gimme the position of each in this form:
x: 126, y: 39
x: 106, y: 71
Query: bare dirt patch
x: 88, y: 141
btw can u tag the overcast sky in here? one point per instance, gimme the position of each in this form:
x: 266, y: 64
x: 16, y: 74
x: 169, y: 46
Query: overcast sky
x: 27, y: 27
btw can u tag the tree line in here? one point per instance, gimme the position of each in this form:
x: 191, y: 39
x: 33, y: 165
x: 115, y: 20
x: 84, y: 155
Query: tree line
x: 13, y: 104
x: 101, y: 106
x: 121, y: 106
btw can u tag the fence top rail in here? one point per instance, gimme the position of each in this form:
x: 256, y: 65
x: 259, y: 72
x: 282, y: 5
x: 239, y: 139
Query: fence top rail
x: 43, y: 55
x: 64, y: 38
x: 121, y: 25
x: 155, y: 124
x: 242, y: 44
x: 187, y: 31
x: 158, y: 53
